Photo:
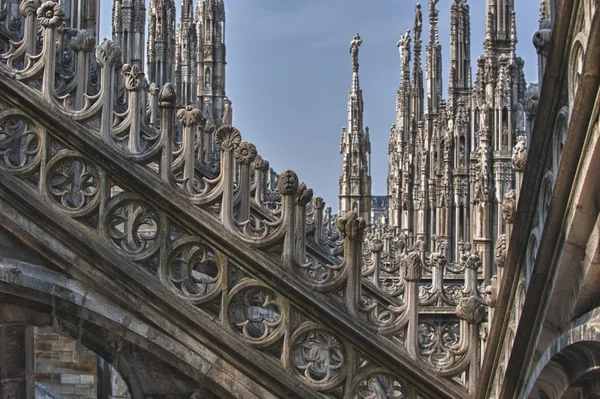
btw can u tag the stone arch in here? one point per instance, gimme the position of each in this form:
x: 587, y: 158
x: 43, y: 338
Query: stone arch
x: 570, y: 360
x: 150, y: 361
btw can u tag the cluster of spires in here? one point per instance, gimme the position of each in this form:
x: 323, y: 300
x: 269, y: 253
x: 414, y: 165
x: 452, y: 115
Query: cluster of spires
x: 449, y: 160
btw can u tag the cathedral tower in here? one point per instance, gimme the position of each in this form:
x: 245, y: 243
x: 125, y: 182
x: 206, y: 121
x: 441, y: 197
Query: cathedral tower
x: 355, y: 148
x: 129, y: 22
x: 210, y: 22
x: 186, y: 55
x: 161, y: 41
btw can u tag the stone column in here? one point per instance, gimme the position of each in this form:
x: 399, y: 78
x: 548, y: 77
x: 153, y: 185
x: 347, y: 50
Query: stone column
x: 17, y: 374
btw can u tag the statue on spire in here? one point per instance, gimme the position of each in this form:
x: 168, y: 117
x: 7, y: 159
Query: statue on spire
x: 404, y: 46
x: 354, y: 45
x: 418, y: 22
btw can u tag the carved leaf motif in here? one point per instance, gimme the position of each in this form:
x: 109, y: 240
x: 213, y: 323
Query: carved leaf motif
x: 228, y: 138
x: 189, y: 116
x: 132, y: 77
x: 413, y: 267
x: 108, y: 54
x: 83, y: 42
x: 351, y: 225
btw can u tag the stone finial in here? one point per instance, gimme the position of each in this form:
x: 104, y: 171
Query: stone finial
x: 470, y: 310
x: 413, y: 267
x: 509, y: 206
x: 261, y: 164
x: 132, y: 77
x: 189, y: 116
x: 167, y: 96
x: 376, y: 245
x: 304, y: 194
x: 28, y: 7
x: 83, y: 42
x: 50, y: 15
x: 108, y: 54
x: 519, y: 155
x: 473, y: 260
x: 318, y: 203
x: 288, y: 182
x: 227, y: 138
x: 351, y: 225
x: 245, y: 153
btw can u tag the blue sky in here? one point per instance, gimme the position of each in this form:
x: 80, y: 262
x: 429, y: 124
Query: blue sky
x: 289, y: 71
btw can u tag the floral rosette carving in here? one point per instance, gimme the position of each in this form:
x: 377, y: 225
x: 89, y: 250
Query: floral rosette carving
x: 72, y: 183
x: 19, y: 143
x: 133, y: 226
x: 245, y: 153
x: 255, y: 313
x: 288, y: 183
x: 192, y: 271
x: 351, y: 225
x: 228, y: 138
x: 501, y: 250
x: 108, y: 54
x: 317, y: 356
x: 50, y: 15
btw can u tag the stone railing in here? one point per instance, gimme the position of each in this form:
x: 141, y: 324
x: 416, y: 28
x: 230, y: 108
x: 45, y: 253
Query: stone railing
x: 385, y: 294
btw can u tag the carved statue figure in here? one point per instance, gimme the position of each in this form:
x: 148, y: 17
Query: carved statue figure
x: 354, y: 45
x: 404, y: 47
x: 519, y: 155
x: 418, y: 22
x: 509, y: 206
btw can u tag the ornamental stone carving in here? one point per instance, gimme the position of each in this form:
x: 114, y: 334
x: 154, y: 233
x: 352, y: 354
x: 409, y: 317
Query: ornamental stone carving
x: 519, y: 155
x: 509, y: 207
x: 189, y: 116
x: 501, y: 250
x: 132, y: 77
x: 413, y: 267
x: 50, y: 15
x: 108, y: 54
x: 470, y: 310
x: 304, y: 195
x: 29, y: 7
x: 167, y: 96
x: 227, y: 138
x: 288, y: 183
x: 245, y: 153
x: 491, y: 292
x: 351, y: 225
x: 376, y: 245
x: 83, y: 42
